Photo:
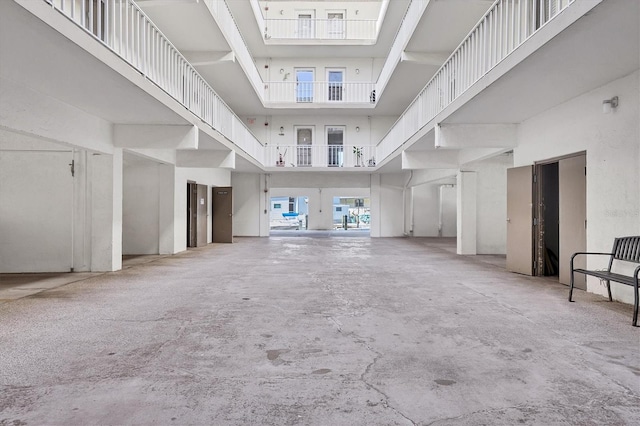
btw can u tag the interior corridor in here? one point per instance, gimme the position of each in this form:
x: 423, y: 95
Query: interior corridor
x: 316, y: 331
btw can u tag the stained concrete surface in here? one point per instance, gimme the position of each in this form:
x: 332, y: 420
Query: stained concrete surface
x: 317, y: 331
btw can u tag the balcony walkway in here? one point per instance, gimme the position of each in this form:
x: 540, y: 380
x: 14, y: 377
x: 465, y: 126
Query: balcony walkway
x: 316, y: 331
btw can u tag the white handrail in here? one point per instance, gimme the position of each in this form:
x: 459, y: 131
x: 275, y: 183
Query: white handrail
x: 320, y: 29
x: 506, y: 25
x: 320, y: 155
x: 126, y: 30
x: 319, y: 92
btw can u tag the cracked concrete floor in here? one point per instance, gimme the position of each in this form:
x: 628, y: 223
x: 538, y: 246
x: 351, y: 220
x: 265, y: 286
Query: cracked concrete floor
x: 317, y: 331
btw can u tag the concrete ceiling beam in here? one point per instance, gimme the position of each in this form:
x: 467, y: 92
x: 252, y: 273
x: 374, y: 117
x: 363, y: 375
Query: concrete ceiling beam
x: 206, y: 159
x: 460, y: 136
x: 199, y: 58
x: 417, y: 160
x: 155, y: 136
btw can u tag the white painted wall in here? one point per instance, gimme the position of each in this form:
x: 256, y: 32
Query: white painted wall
x: 387, y: 201
x: 141, y: 208
x: 466, y: 202
x: 612, y: 143
x: 42, y: 116
x: 426, y: 209
x: 491, y: 203
x: 249, y: 200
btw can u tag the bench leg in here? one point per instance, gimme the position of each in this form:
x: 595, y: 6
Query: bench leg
x: 571, y: 286
x: 635, y: 305
x: 609, y: 290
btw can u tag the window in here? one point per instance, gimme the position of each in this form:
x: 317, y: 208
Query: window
x: 292, y: 204
x: 277, y: 206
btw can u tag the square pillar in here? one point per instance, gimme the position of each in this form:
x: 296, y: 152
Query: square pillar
x: 106, y: 211
x: 466, y: 212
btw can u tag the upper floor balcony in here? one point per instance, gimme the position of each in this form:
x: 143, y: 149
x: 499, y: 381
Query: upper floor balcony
x: 309, y: 155
x: 318, y: 22
x: 329, y: 93
x: 334, y: 29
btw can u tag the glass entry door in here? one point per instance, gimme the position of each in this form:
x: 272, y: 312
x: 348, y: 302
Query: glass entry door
x: 304, y: 136
x: 335, y: 80
x: 335, y: 142
x: 306, y: 27
x: 335, y: 25
x: 304, y: 85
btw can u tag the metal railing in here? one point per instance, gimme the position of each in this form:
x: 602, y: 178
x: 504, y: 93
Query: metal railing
x: 320, y: 29
x: 506, y: 25
x: 319, y: 92
x: 230, y: 30
x: 316, y: 155
x: 125, y: 29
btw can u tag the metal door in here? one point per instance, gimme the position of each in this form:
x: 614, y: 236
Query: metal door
x: 202, y: 216
x: 573, y: 215
x: 192, y: 214
x: 520, y: 220
x: 222, y: 220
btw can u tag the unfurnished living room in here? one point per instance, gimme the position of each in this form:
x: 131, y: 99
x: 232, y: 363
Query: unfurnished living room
x: 312, y: 212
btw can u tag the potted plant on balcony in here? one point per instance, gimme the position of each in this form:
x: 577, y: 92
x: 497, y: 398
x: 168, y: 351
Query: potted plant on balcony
x: 358, y: 152
x: 281, y: 155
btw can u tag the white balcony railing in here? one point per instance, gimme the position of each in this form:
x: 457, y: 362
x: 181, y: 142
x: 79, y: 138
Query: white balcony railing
x: 320, y: 156
x: 507, y: 25
x: 320, y: 29
x: 319, y: 92
x: 124, y: 28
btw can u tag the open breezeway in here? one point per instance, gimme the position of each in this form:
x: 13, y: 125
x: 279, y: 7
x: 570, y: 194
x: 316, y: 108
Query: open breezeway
x: 318, y: 331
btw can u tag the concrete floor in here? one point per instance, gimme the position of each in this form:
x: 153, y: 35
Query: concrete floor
x: 318, y: 331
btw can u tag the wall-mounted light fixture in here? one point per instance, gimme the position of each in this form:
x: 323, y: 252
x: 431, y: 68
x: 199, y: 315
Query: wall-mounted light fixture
x: 357, y: 129
x: 281, y: 70
x: 357, y: 70
x: 281, y: 131
x: 609, y: 104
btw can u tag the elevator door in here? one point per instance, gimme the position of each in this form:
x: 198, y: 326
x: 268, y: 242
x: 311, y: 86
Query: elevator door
x: 222, y: 220
x: 520, y: 220
x: 572, y: 215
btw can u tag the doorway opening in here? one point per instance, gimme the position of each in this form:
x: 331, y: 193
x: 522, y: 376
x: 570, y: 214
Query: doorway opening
x: 352, y: 213
x: 547, y: 216
x: 289, y: 213
x: 196, y: 214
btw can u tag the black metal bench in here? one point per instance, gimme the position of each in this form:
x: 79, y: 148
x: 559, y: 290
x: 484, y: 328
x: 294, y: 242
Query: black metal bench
x: 625, y: 249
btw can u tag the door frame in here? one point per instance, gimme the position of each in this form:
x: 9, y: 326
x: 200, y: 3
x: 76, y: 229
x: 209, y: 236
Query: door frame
x: 307, y: 97
x: 538, y: 236
x: 329, y: 92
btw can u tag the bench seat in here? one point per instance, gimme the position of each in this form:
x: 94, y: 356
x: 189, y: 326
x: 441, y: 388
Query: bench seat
x: 625, y: 249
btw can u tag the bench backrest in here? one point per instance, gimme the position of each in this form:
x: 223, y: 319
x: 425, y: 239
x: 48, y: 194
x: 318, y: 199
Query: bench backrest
x: 627, y: 249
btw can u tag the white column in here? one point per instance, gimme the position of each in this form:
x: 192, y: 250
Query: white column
x: 466, y: 212
x: 106, y: 211
x: 166, y: 204
x: 376, y: 220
